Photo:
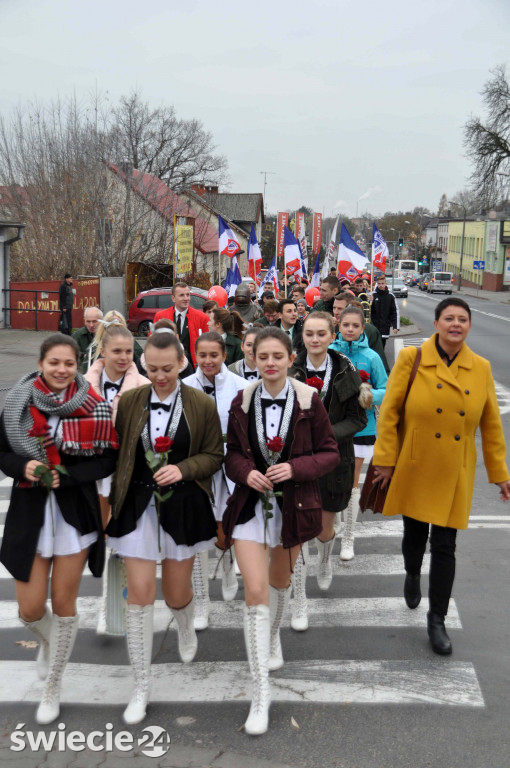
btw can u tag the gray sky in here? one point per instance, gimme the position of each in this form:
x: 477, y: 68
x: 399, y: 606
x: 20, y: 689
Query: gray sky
x: 343, y: 101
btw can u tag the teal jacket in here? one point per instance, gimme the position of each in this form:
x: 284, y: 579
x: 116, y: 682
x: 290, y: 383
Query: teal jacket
x: 365, y: 359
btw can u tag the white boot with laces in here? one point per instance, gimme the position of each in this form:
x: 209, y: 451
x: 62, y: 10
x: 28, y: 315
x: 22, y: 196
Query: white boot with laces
x: 256, y: 637
x: 324, y: 568
x: 299, y: 605
x: 350, y: 515
x: 42, y: 630
x: 187, y: 637
x: 200, y: 581
x: 139, y: 632
x: 278, y: 604
x: 229, y: 583
x: 62, y: 637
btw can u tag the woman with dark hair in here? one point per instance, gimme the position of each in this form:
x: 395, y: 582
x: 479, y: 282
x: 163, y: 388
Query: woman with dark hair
x: 231, y: 327
x: 247, y: 367
x: 170, y: 447
x: 338, y: 384
x: 56, y: 440
x: 213, y: 377
x: 432, y: 442
x: 279, y: 441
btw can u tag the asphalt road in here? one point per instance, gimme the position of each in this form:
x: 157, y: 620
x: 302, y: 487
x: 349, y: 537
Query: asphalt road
x: 362, y: 683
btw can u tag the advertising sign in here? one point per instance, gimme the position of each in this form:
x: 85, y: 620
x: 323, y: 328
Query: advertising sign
x: 317, y: 233
x: 506, y: 273
x: 492, y: 236
x: 283, y: 221
x: 184, y: 248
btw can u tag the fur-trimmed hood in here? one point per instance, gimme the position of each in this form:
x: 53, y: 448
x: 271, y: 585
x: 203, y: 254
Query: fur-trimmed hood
x: 304, y: 394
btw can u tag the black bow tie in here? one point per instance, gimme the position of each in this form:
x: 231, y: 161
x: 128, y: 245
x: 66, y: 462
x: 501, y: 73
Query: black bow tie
x: 209, y: 389
x: 266, y: 402
x: 160, y: 406
x: 111, y: 385
x: 249, y: 375
x: 311, y: 373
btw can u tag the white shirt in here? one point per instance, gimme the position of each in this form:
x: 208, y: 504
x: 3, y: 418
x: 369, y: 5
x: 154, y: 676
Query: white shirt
x: 160, y: 417
x: 273, y: 414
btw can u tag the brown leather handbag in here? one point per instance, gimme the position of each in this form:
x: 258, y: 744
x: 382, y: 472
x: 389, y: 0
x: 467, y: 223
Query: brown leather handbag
x: 372, y: 495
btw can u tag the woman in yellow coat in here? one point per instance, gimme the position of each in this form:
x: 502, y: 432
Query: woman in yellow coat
x: 429, y: 453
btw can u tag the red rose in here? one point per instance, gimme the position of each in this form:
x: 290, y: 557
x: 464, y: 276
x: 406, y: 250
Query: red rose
x: 275, y: 444
x: 163, y: 444
x: 364, y: 376
x: 40, y: 427
x: 315, y: 382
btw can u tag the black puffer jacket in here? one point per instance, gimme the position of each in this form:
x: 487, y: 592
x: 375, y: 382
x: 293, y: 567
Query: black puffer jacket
x: 347, y: 417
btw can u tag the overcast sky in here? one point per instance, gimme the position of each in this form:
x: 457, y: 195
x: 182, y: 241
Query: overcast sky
x: 347, y: 103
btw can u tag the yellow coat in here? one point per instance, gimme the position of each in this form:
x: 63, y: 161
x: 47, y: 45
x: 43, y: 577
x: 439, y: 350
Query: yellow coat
x: 434, y: 451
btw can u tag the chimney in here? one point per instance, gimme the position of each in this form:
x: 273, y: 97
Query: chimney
x: 199, y: 189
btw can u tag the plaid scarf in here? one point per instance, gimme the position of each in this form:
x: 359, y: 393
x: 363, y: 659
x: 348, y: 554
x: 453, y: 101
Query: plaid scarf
x: 85, y: 427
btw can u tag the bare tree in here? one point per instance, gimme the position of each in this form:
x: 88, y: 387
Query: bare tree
x: 488, y: 142
x: 155, y: 141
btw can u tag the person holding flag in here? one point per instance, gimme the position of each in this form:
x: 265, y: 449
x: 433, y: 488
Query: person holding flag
x: 384, y: 311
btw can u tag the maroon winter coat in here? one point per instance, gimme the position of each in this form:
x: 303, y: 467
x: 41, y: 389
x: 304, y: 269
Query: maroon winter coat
x: 313, y: 453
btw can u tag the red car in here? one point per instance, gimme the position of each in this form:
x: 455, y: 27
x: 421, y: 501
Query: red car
x: 145, y: 305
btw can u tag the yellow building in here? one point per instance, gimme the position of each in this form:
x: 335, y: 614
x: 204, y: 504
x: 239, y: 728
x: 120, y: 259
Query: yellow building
x: 474, y: 249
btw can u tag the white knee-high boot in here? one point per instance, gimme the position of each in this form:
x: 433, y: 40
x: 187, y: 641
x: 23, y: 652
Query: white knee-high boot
x: 187, y: 637
x: 299, y: 607
x: 256, y: 637
x: 324, y: 569
x: 200, y: 581
x: 42, y: 630
x: 62, y: 637
x: 350, y: 515
x: 229, y: 585
x: 139, y: 632
x: 278, y: 603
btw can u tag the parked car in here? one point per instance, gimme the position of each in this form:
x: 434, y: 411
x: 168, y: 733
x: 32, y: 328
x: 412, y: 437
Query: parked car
x: 145, y: 305
x: 398, y: 288
x: 440, y: 282
x: 424, y: 281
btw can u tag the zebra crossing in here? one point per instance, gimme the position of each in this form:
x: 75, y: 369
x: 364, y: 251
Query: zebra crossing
x: 95, y: 681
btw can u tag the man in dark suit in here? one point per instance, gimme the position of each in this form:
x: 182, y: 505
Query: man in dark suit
x: 65, y: 302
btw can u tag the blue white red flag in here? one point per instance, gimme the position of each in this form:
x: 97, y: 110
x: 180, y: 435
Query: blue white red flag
x: 316, y: 277
x: 228, y: 245
x: 254, y: 257
x: 233, y: 278
x: 271, y: 277
x: 351, y: 259
x: 330, y: 251
x: 292, y: 253
x: 380, y: 252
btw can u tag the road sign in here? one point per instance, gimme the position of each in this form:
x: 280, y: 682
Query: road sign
x: 478, y: 264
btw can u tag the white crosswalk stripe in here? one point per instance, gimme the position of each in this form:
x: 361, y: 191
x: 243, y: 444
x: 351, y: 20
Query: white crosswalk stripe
x: 339, y: 681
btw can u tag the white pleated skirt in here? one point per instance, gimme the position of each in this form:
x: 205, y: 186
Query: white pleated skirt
x: 253, y: 530
x: 143, y: 541
x: 363, y: 451
x: 66, y: 540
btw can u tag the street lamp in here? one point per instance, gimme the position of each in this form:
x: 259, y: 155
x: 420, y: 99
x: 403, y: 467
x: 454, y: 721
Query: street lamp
x: 459, y: 205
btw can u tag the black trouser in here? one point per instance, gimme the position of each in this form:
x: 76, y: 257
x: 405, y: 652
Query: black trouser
x: 384, y: 339
x: 67, y: 321
x: 442, y: 559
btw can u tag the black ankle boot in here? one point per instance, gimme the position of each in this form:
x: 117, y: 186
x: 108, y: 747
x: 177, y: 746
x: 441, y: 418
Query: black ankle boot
x: 439, y: 640
x: 412, y: 591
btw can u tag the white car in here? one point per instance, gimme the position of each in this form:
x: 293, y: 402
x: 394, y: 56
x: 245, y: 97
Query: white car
x: 398, y: 287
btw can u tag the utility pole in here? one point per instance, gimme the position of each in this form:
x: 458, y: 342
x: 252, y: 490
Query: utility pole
x: 265, y: 174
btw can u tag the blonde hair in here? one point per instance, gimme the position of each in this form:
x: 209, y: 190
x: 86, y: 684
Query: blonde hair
x: 112, y: 324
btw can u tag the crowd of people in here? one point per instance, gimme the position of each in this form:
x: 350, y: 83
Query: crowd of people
x: 241, y: 430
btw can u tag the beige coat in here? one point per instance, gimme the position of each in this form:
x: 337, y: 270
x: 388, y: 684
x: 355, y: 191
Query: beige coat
x: 132, y: 379
x: 434, y: 451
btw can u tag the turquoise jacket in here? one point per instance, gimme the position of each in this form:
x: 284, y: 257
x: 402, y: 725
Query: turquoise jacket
x: 365, y: 359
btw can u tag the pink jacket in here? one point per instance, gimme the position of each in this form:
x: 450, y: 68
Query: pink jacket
x: 132, y: 379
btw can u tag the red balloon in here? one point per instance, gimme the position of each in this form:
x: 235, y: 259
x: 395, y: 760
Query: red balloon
x: 218, y: 294
x: 311, y: 295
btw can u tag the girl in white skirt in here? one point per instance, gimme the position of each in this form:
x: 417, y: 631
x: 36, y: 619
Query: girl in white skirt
x: 112, y: 374
x: 354, y: 344
x: 279, y: 441
x: 183, y: 423
x: 54, y: 422
x: 213, y: 378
